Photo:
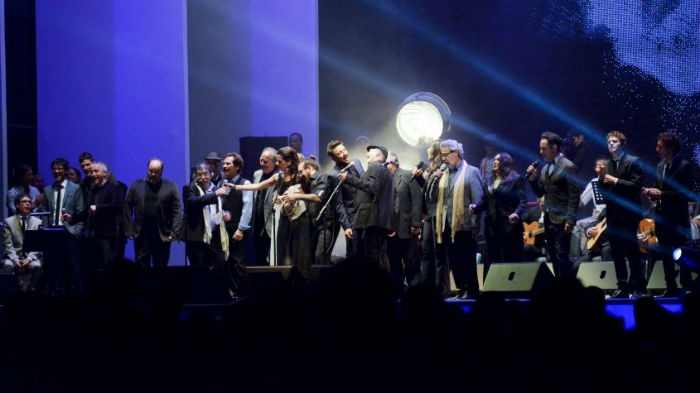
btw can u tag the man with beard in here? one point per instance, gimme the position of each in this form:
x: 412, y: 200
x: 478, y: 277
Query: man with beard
x: 152, y: 216
x: 346, y: 208
x: 262, y: 201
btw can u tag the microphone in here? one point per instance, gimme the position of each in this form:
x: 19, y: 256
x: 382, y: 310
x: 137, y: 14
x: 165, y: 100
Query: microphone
x: 443, y: 167
x: 534, y: 165
x: 351, y: 164
x: 420, y: 165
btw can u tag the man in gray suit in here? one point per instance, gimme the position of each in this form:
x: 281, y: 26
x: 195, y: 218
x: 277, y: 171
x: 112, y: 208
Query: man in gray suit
x: 152, y: 216
x: 60, y: 198
x: 407, y: 211
x: 559, y: 185
x: 374, y: 198
x: 262, y: 206
x: 456, y: 228
x: 16, y: 259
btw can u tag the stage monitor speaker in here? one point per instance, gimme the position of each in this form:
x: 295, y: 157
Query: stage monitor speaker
x: 252, y: 146
x: 195, y: 284
x: 267, y: 278
x: 8, y: 286
x: 598, y: 274
x: 519, y: 279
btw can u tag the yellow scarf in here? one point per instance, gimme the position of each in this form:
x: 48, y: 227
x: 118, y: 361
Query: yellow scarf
x: 457, y: 202
x: 207, y: 227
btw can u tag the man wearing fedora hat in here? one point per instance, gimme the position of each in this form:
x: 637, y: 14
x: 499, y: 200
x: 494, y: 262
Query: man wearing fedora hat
x: 214, y: 161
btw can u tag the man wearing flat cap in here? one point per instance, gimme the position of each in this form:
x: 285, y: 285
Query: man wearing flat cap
x: 214, y: 161
x: 374, y: 196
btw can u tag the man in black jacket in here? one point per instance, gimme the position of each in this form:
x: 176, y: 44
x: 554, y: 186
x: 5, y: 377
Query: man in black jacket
x: 102, y: 213
x: 152, y: 216
x: 621, y: 186
x: 670, y: 197
x: 407, y: 210
x: 345, y: 210
x: 559, y: 186
x: 204, y: 229
x: 374, y: 197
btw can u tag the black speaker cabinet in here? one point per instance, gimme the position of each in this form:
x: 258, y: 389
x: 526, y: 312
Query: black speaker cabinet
x: 517, y: 279
x: 194, y: 284
x: 267, y: 278
x: 598, y: 274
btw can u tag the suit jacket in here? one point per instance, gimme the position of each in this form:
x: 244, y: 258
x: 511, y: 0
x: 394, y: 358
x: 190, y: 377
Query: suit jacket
x: 499, y: 203
x: 561, y: 191
x: 622, y: 202
x: 266, y: 225
x: 13, y: 238
x: 73, y: 202
x: 104, y: 223
x: 473, y: 193
x: 408, y: 204
x: 169, y: 217
x: 671, y: 211
x: 374, y: 197
x: 194, y: 216
x: 345, y: 210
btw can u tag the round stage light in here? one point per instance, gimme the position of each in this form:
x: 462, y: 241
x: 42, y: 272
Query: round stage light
x: 422, y: 118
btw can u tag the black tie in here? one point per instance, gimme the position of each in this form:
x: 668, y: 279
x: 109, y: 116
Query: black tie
x: 615, y: 162
x: 57, y: 212
x: 24, y: 225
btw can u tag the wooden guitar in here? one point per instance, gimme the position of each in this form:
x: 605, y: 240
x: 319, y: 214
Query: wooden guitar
x: 646, y: 234
x: 602, y: 226
x: 530, y: 231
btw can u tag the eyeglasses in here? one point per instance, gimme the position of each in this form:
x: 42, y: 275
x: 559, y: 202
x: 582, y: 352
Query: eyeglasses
x: 445, y: 155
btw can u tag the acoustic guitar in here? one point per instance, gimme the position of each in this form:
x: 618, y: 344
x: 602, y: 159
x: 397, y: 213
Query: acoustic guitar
x: 646, y: 234
x: 530, y: 231
x: 593, y: 241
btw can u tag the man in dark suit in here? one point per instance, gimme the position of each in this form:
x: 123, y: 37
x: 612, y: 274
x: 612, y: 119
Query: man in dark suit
x: 407, y: 210
x: 16, y: 259
x: 559, y: 186
x: 262, y: 209
x: 373, y: 201
x: 456, y: 228
x: 62, y: 196
x: 205, y: 231
x: 345, y: 210
x: 670, y: 196
x: 152, y: 216
x: 238, y: 209
x: 322, y: 210
x: 621, y: 186
x: 105, y: 202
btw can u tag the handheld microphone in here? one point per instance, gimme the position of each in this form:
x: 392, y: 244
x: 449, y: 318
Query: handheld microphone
x: 420, y: 166
x: 443, y: 167
x: 351, y: 164
x: 534, y: 165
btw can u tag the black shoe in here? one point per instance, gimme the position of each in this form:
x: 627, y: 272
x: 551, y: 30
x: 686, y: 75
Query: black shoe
x: 672, y: 293
x: 620, y: 294
x: 638, y: 293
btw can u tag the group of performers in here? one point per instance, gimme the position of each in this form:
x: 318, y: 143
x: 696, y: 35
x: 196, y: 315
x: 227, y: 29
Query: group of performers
x: 419, y: 225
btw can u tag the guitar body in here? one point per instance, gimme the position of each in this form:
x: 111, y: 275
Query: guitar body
x: 647, y: 234
x: 602, y: 226
x: 530, y: 231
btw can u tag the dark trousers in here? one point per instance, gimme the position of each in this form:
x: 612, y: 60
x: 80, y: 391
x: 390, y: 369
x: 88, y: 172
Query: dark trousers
x: 428, y: 260
x: 668, y: 242
x: 624, y: 248
x: 324, y: 241
x: 403, y: 260
x: 372, y: 247
x: 102, y: 251
x: 558, y: 244
x: 237, y: 277
x: 460, y: 256
x: 504, y: 246
x: 262, y: 247
x: 202, y: 254
x: 148, y: 246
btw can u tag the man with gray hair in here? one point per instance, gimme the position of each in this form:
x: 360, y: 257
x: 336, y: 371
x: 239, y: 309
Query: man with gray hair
x: 102, y: 216
x: 456, y: 228
x: 261, y: 199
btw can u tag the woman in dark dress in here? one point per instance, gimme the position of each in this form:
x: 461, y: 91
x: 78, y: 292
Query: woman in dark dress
x: 292, y: 243
x: 504, y: 202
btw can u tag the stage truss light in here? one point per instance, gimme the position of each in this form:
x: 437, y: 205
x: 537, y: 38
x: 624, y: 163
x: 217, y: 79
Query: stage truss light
x: 422, y: 117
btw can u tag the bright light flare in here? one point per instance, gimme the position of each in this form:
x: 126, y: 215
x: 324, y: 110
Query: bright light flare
x: 422, y: 118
